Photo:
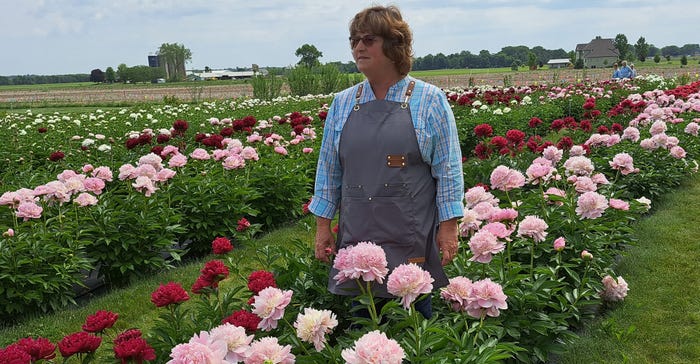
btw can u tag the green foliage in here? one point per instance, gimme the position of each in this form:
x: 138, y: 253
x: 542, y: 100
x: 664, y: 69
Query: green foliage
x: 267, y: 87
x: 39, y: 269
x: 130, y: 235
x: 302, y: 81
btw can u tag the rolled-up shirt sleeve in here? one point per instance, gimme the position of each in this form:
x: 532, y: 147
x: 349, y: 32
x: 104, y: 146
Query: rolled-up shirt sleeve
x: 325, y: 200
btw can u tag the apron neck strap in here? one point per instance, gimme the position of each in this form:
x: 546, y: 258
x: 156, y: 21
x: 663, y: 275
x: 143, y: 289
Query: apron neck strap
x: 409, y: 92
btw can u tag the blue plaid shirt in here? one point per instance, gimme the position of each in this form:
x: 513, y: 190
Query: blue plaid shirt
x: 436, y: 132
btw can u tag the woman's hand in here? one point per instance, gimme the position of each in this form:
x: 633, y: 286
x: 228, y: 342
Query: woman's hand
x: 325, y: 241
x: 447, y: 240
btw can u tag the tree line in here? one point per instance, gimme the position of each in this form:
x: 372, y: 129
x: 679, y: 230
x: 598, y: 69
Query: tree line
x: 174, y: 56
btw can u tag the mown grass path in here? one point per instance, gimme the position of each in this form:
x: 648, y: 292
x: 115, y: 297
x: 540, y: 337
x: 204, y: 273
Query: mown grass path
x: 659, y: 321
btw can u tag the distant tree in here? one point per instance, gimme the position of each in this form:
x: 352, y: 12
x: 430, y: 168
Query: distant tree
x: 690, y: 49
x: 309, y: 55
x: 110, y: 75
x: 175, y: 56
x: 684, y: 60
x: 641, y: 49
x: 653, y: 50
x: 255, y: 68
x: 657, y: 58
x: 207, y: 69
x: 532, y: 61
x: 579, y: 64
x: 97, y: 76
x: 671, y: 50
x: 668, y: 58
x: 622, y: 45
x: 122, y: 73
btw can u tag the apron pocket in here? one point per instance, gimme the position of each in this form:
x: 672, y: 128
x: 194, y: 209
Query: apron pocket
x: 379, y: 219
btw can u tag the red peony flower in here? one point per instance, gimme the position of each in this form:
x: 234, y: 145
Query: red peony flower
x: 227, y: 131
x: 129, y: 346
x: 162, y: 138
x: 515, y: 136
x: 213, y: 272
x: 56, y: 156
x: 483, y: 130
x: 157, y: 149
x: 323, y: 115
x: 169, y: 294
x: 131, y: 143
x: 243, y: 224
x: 534, y: 122
x: 180, y: 126
x: 42, y: 130
x: 259, y: 280
x: 245, y: 319
x: 39, y: 349
x: 100, y: 321
x: 305, y: 207
x: 14, y: 354
x: 79, y: 342
x: 499, y: 142
x: 221, y: 245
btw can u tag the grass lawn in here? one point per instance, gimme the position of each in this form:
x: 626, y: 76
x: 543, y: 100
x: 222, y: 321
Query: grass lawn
x: 659, y: 321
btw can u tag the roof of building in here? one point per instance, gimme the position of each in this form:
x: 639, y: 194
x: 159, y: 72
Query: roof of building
x: 559, y: 61
x: 599, y: 47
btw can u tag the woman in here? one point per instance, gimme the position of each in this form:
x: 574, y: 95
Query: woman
x: 390, y: 161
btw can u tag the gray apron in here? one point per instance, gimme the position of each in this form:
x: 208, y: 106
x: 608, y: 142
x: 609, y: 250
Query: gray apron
x: 388, y: 192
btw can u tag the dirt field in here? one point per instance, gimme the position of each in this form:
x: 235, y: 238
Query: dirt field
x: 218, y: 92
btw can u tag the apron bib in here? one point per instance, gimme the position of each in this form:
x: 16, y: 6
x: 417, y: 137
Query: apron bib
x: 388, y: 192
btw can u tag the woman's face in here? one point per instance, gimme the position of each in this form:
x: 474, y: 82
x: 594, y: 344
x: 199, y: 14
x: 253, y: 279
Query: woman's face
x: 368, y: 54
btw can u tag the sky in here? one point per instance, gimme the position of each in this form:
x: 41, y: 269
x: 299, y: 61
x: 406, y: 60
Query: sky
x: 51, y: 37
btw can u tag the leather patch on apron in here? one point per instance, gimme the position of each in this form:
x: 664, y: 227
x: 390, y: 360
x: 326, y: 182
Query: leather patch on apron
x: 396, y: 160
x: 417, y: 260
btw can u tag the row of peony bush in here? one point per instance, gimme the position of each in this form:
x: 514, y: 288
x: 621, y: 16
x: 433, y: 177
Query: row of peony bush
x: 544, y: 223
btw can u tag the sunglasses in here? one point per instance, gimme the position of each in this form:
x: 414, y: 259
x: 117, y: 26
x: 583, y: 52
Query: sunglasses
x: 368, y: 40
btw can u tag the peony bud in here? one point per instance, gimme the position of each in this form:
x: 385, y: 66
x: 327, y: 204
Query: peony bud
x: 9, y: 233
x: 559, y: 244
x: 585, y: 255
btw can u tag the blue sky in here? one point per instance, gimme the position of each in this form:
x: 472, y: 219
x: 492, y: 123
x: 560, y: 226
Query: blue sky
x: 75, y: 36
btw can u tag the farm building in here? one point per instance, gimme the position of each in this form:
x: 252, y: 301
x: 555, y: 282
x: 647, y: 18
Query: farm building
x: 223, y: 75
x: 559, y: 63
x: 598, y: 53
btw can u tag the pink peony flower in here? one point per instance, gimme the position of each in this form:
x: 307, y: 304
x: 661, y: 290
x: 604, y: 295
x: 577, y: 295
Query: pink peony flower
x: 9, y: 233
x: 177, y: 160
x: 507, y: 214
x: 533, y: 227
x: 164, y: 175
x: 85, y: 199
x: 269, y: 305
x: 457, y: 293
x: 483, y: 244
x: 553, y: 154
x: 87, y: 168
x: 619, y: 204
x: 168, y: 150
x: 591, y: 205
x: 94, y: 185
x: 66, y: 175
x: 103, y: 173
x: 194, y: 353
x: 249, y: 153
x: 409, y: 281
x: 584, y: 184
x: 237, y: 342
x: 313, y: 325
x: 145, y: 185
x: 539, y: 173
x: 374, y: 348
x: 623, y: 162
x: 692, y: 128
x: 29, y: 210
x: 506, y: 179
x: 267, y: 350
x: 478, y: 194
x: 307, y: 150
x: 486, y: 298
x: 631, y: 133
x: 614, y: 290
x: 281, y: 150
x: 200, y: 154
x: 234, y: 161
x: 677, y: 152
x: 578, y: 166
x: 364, y: 260
x: 126, y: 171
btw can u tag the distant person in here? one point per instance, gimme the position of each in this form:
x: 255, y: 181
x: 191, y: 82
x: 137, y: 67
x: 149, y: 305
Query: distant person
x: 634, y: 70
x: 625, y: 70
x: 616, y: 71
